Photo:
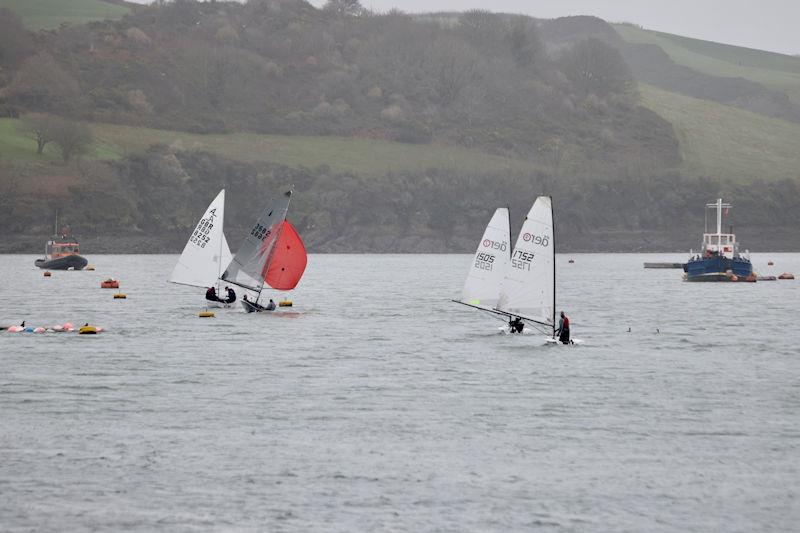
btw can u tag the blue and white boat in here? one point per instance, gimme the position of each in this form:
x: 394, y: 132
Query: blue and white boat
x: 719, y: 258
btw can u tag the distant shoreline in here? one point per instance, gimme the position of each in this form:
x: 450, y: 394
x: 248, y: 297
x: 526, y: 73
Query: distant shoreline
x: 765, y: 241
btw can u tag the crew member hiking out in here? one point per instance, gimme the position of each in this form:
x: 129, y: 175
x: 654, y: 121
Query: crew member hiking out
x: 563, y: 329
x: 211, y: 294
x: 516, y: 325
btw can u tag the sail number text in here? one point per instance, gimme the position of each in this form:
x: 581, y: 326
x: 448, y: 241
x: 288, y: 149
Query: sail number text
x: 259, y: 232
x: 200, y: 235
x: 484, y: 261
x: 521, y: 260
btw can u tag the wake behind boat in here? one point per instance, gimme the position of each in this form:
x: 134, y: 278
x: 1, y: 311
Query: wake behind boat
x: 272, y: 254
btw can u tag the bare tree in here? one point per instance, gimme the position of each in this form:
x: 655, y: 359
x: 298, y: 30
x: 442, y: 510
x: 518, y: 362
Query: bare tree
x: 73, y: 138
x: 344, y: 8
x: 39, y: 127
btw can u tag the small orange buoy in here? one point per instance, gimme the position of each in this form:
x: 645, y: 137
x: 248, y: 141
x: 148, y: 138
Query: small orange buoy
x: 786, y: 275
x: 109, y: 283
x: 47, y: 274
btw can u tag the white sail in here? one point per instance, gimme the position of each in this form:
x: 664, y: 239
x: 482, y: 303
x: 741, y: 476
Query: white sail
x: 250, y: 265
x: 528, y: 289
x: 206, y: 254
x: 490, y: 264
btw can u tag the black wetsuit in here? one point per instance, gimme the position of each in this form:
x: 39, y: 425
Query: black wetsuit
x: 211, y: 295
x: 516, y: 325
x: 231, y: 297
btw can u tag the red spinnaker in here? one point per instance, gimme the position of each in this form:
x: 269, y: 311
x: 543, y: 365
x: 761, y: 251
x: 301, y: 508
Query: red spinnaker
x: 288, y: 260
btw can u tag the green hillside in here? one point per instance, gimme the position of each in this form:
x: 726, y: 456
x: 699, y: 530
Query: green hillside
x: 777, y: 71
x: 47, y: 14
x: 361, y: 156
x: 725, y: 142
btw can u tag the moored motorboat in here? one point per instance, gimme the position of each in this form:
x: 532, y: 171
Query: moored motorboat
x: 62, y: 252
x: 719, y: 258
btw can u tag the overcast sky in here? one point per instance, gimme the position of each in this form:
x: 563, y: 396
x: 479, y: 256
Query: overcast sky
x: 763, y: 24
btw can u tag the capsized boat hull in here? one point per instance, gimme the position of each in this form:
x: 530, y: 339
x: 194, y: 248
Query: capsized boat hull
x: 67, y: 262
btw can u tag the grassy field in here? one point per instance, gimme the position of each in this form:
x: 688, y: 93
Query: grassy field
x: 778, y: 71
x: 47, y: 14
x: 363, y: 156
x: 727, y: 142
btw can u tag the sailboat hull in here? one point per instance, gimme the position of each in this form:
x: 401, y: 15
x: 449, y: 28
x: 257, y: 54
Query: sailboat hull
x: 252, y: 307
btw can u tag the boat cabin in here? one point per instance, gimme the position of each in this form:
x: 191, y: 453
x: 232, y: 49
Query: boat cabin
x: 55, y: 249
x: 718, y: 243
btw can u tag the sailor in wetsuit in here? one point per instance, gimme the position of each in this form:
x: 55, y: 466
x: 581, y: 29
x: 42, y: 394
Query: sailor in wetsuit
x: 563, y: 329
x: 231, y: 295
x: 211, y: 295
x: 270, y: 305
x: 516, y: 325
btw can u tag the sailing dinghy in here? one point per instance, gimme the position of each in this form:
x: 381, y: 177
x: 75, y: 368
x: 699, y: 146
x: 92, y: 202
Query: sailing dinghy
x: 272, y: 254
x: 521, y: 286
x: 206, y: 254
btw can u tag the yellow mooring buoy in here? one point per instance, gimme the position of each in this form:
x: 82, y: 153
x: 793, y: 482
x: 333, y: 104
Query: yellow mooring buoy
x: 206, y: 314
x: 120, y: 296
x: 285, y: 303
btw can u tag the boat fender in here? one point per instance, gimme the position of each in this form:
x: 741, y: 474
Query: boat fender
x: 206, y: 314
x: 285, y: 303
x: 87, y: 330
x: 120, y: 296
x: 39, y: 330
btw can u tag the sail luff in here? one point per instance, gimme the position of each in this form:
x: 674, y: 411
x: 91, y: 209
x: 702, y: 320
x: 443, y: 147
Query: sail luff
x: 489, y: 264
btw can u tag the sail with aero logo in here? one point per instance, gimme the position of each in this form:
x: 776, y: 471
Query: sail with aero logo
x: 206, y: 253
x: 528, y: 288
x: 489, y: 265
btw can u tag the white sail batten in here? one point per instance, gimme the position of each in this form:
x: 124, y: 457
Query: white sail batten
x: 206, y: 254
x: 490, y: 264
x: 250, y: 264
x: 528, y: 289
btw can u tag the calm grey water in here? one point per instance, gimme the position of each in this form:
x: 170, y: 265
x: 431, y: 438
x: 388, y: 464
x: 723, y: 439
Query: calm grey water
x: 378, y: 405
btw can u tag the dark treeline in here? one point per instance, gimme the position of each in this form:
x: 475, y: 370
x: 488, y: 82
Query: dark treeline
x: 163, y: 191
x: 283, y: 66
